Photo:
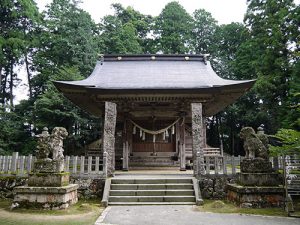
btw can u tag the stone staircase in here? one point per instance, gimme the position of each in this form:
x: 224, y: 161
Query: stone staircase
x: 150, y: 191
x: 152, y: 161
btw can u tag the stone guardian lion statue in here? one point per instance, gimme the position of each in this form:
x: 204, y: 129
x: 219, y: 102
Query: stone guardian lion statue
x: 253, y: 145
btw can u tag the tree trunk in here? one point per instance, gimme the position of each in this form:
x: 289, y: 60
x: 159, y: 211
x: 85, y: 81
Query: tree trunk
x: 11, y: 84
x: 1, y: 80
x: 28, y: 76
x: 4, y: 88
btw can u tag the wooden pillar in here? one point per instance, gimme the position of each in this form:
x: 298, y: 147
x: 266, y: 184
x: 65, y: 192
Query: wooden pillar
x: 109, y: 127
x: 182, y: 146
x: 204, y: 131
x: 177, y: 138
x: 125, y: 145
x: 198, y: 140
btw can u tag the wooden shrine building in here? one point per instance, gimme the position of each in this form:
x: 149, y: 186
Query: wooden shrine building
x: 154, y: 107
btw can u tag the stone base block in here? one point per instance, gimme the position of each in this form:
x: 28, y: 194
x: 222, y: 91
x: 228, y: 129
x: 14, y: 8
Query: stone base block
x: 259, y: 179
x: 256, y: 165
x: 45, y: 197
x: 255, y: 197
x: 48, y: 166
x: 48, y: 179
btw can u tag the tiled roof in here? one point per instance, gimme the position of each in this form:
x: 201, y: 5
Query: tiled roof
x: 153, y: 72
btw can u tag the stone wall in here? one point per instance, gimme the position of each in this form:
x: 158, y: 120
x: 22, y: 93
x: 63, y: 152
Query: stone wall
x: 214, y: 186
x: 88, y: 188
x: 7, y: 185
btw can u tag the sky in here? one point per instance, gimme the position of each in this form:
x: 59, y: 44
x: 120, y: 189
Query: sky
x: 224, y: 11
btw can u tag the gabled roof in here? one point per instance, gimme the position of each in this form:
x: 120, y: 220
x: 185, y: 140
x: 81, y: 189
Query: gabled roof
x: 154, y: 78
x: 153, y: 72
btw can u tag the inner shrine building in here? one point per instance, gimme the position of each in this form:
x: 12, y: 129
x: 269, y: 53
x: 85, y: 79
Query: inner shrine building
x: 153, y: 107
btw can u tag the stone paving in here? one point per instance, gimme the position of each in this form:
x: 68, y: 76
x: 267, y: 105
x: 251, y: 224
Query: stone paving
x: 182, y: 215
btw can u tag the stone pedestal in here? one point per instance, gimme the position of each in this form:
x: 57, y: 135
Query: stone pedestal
x: 48, y: 179
x: 45, y: 197
x: 256, y: 165
x: 46, y: 191
x: 255, y: 197
x: 257, y: 186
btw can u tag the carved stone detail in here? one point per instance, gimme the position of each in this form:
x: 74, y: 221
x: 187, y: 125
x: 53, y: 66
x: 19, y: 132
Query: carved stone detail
x: 109, y: 127
x: 50, y: 144
x: 198, y: 139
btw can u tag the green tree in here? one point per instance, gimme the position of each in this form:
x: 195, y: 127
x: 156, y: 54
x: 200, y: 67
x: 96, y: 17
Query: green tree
x: 69, y: 38
x: 52, y: 109
x: 173, y: 30
x: 204, y: 28
x: 118, y: 37
x: 289, y: 142
x: 272, y: 28
x: 17, y: 21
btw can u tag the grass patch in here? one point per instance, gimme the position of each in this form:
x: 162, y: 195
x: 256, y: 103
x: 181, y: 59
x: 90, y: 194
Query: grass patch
x: 85, y: 212
x: 217, y: 206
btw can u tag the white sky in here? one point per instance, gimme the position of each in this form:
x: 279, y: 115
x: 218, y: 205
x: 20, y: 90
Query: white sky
x: 224, y: 11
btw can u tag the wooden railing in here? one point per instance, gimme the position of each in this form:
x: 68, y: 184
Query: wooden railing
x: 78, y: 166
x: 94, y: 166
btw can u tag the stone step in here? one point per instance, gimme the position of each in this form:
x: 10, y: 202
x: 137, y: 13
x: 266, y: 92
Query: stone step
x: 152, y: 203
x: 152, y: 198
x: 152, y: 192
x: 153, y: 181
x: 150, y: 186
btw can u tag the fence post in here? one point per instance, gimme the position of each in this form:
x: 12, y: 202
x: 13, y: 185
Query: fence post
x: 6, y: 163
x: 182, y: 157
x: 207, y: 164
x: 97, y: 164
x: 67, y: 163
x: 29, y: 163
x: 275, y: 163
x: 89, y: 164
x: 233, y: 164
x: 1, y: 162
x: 216, y: 165
x: 14, y: 162
x: 82, y: 158
x: 22, y: 164
x: 224, y: 165
x: 75, y: 164
x: 105, y: 164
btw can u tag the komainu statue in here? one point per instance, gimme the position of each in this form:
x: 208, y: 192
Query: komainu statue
x: 253, y: 145
x: 256, y: 148
x: 50, y: 145
x: 43, y: 149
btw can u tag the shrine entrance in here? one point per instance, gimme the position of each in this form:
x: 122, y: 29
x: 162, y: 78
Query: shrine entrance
x: 153, y: 107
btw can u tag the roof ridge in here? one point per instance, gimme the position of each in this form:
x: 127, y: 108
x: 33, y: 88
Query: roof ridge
x: 154, y: 57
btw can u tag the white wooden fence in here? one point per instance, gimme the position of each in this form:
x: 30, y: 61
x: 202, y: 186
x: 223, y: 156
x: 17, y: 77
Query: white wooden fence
x: 78, y: 166
x: 94, y: 166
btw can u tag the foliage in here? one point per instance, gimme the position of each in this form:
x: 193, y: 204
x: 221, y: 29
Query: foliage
x: 64, y: 43
x: 272, y: 28
x: 289, y: 141
x: 173, y: 30
x: 16, y: 23
x: 51, y: 109
x: 204, y: 28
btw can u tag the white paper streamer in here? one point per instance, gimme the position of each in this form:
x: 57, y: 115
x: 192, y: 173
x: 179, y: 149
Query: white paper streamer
x: 144, y: 136
x: 134, y: 130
